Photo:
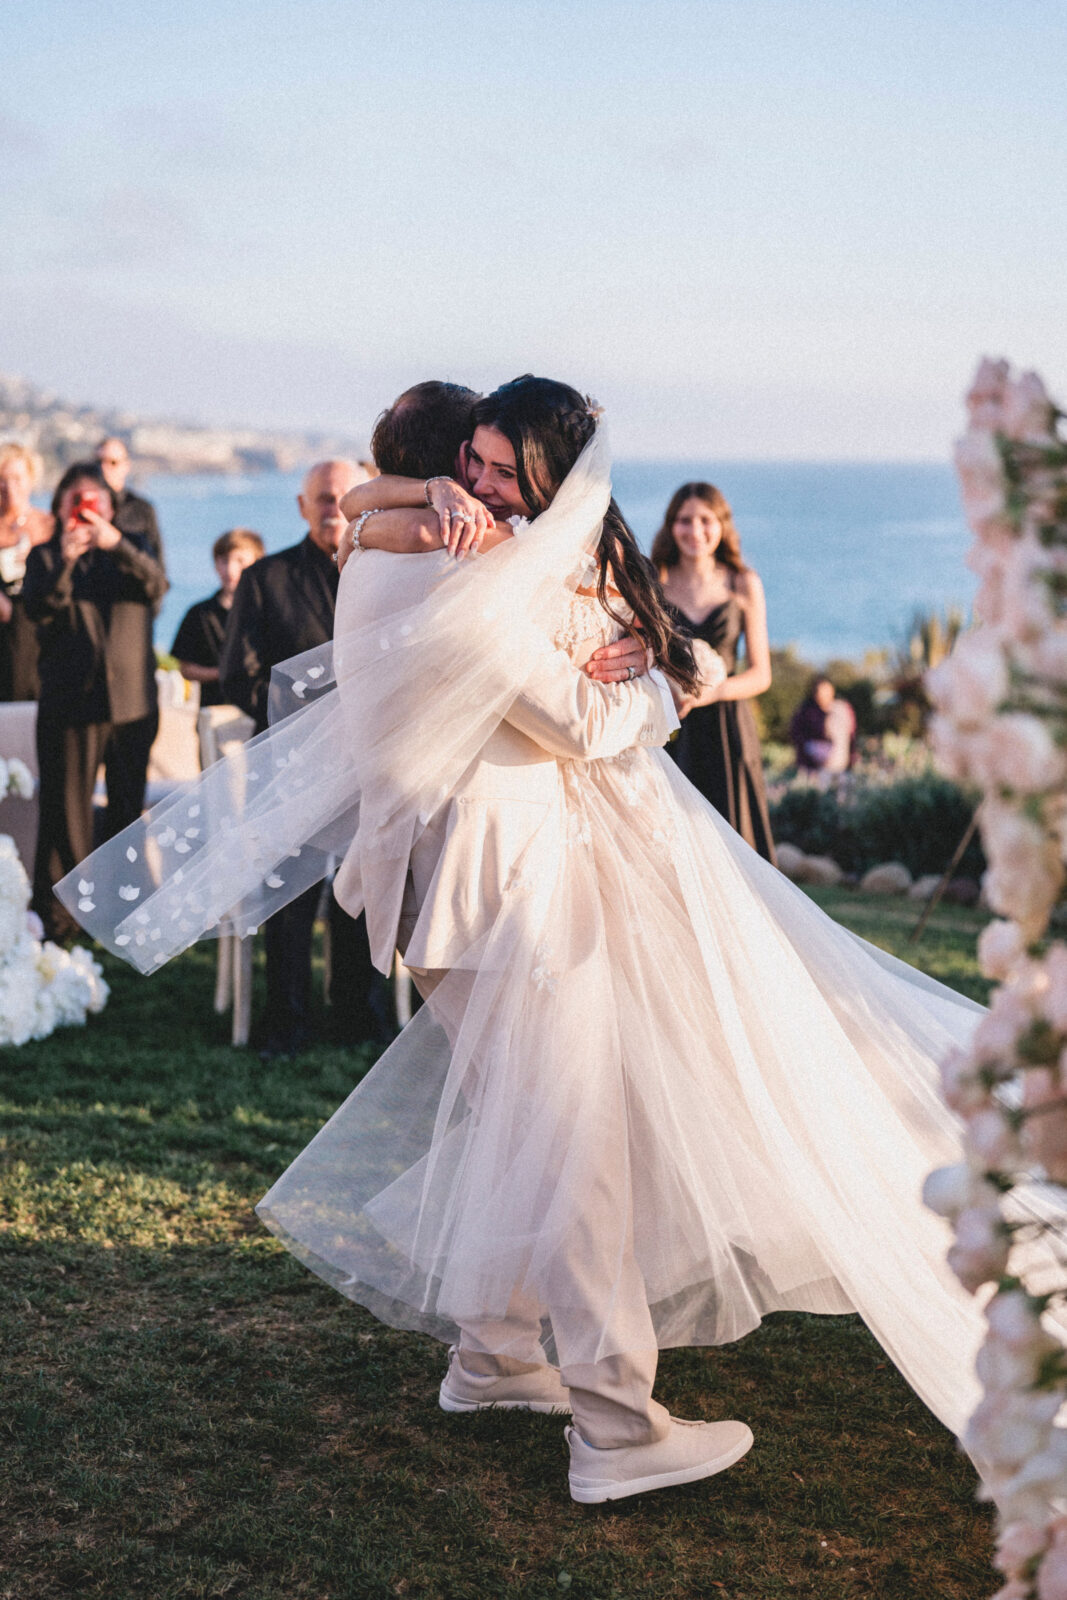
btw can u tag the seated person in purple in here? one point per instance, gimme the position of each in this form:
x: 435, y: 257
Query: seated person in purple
x: 823, y: 731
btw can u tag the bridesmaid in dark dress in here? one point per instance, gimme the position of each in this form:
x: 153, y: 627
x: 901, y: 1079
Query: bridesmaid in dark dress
x: 718, y: 599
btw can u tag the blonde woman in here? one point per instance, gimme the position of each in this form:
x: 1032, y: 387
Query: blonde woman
x: 21, y: 527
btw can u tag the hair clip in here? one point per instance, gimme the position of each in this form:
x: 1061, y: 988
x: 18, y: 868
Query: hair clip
x: 593, y: 408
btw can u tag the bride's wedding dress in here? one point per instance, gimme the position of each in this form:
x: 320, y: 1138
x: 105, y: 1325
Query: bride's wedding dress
x: 654, y: 1090
x: 666, y: 1055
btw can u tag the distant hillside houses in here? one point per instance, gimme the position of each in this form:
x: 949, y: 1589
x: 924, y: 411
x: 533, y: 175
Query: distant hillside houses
x: 62, y: 432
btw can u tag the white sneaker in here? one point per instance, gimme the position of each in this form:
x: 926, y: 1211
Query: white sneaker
x: 690, y: 1451
x: 539, y: 1390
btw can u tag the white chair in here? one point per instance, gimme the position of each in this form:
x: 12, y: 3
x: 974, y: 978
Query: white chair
x: 222, y: 731
x: 18, y: 737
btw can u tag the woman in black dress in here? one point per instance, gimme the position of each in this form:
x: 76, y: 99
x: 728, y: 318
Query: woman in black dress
x: 718, y: 599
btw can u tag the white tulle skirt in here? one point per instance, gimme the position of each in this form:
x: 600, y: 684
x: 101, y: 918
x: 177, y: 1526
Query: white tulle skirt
x: 663, y: 1084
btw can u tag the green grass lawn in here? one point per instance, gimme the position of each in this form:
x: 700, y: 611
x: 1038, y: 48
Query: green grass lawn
x: 187, y: 1412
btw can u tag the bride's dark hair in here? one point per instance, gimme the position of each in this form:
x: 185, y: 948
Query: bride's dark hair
x: 548, y: 424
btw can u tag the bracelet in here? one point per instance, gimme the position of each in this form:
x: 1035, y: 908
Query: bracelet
x: 357, y: 528
x: 441, y: 478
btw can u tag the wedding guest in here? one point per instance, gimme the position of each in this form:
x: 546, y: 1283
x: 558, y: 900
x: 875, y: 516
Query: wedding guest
x: 198, y: 642
x: 130, y: 743
x: 135, y: 516
x: 718, y: 598
x: 283, y: 605
x: 823, y: 731
x: 21, y: 527
x: 90, y: 590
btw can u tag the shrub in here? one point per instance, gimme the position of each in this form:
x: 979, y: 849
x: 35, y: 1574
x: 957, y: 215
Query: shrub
x: 918, y: 821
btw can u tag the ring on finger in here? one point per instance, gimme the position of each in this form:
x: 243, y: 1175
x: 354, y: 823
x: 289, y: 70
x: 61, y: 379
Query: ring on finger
x: 631, y: 674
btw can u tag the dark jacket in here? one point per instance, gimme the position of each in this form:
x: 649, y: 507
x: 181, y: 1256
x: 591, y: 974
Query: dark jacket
x: 284, y: 604
x: 94, y: 629
x: 136, y: 516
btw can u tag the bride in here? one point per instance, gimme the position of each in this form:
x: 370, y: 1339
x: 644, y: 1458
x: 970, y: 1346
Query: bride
x: 654, y: 1092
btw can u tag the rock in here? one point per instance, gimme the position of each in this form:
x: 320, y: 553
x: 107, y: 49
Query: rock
x: 791, y: 861
x: 924, y: 887
x: 963, y: 892
x: 822, y: 870
x: 889, y: 878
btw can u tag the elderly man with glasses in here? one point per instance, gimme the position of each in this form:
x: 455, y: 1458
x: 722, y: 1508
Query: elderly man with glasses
x: 129, y: 744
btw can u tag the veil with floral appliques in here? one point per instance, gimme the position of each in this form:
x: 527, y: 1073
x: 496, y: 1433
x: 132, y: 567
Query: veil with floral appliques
x: 369, y: 735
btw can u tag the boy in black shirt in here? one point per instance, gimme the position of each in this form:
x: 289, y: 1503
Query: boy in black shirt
x: 198, y: 641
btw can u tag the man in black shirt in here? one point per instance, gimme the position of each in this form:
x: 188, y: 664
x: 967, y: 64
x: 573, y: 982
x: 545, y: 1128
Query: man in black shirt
x: 198, y: 642
x: 135, y: 517
x: 284, y: 605
x: 129, y: 744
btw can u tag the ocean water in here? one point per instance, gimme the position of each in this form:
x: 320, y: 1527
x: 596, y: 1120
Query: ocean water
x: 848, y: 552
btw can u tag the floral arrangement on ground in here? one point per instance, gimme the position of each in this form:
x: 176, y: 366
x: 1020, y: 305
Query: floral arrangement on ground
x: 42, y: 987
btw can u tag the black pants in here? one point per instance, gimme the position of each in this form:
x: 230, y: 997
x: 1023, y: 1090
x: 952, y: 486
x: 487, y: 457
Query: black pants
x: 126, y: 770
x: 67, y: 761
x: 359, y: 994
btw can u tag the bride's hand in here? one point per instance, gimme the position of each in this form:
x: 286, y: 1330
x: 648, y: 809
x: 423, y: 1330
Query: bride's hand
x: 616, y: 663
x: 464, y: 520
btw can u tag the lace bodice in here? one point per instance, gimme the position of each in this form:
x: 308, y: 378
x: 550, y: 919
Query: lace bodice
x: 585, y: 627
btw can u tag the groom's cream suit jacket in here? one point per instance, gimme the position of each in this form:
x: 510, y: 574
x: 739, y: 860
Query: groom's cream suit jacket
x: 462, y: 862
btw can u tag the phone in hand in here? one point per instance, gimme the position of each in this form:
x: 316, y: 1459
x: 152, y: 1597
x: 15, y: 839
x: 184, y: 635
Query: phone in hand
x: 85, y: 500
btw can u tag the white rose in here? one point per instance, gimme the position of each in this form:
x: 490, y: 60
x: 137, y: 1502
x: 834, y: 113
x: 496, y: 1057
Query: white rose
x: 992, y: 1141
x: 1026, y: 1495
x: 949, y: 1190
x: 1017, y: 752
x: 971, y: 684
x: 1018, y: 1544
x: 982, y: 484
x: 1025, y: 873
x: 20, y: 779
x: 1000, y: 946
x: 989, y: 563
x: 1027, y: 609
x: 960, y: 1087
x: 1027, y: 412
x: 1008, y: 1428
x: 19, y: 985
x: 949, y: 749
x: 1054, y: 1000
x: 1014, y: 1319
x: 986, y: 394
x: 979, y: 1253
x: 711, y: 668
x: 997, y: 1034
x: 91, y: 974
x: 1049, y: 655
x: 999, y: 1367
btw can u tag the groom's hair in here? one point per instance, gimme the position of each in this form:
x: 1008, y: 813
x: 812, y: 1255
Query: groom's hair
x: 421, y: 433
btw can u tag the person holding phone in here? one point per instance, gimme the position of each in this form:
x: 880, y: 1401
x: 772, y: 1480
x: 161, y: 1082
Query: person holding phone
x: 91, y: 592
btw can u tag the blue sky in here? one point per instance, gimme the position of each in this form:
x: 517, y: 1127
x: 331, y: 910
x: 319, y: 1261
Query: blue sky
x: 752, y: 229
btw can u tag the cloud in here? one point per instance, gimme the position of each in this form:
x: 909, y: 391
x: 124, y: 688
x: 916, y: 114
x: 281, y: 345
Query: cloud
x: 123, y: 227
x: 21, y: 141
x: 193, y: 139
